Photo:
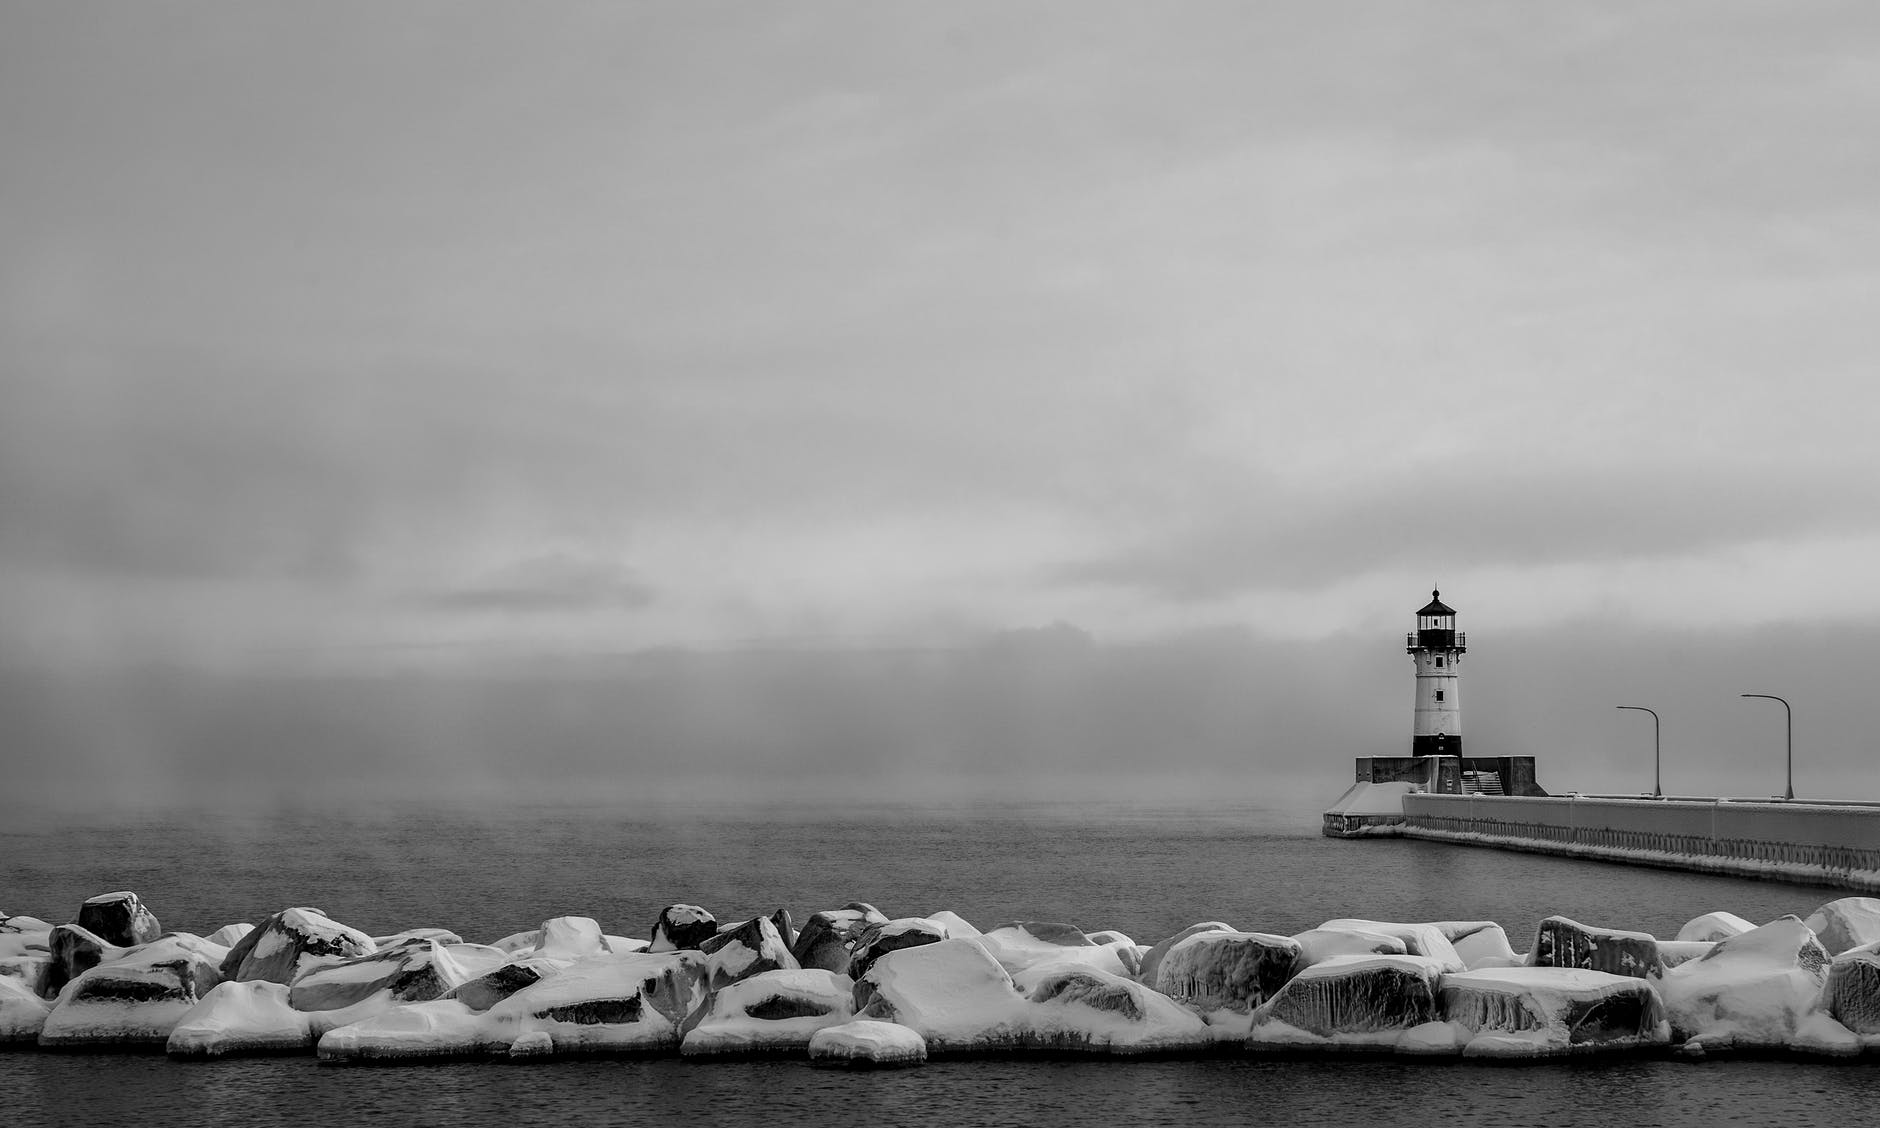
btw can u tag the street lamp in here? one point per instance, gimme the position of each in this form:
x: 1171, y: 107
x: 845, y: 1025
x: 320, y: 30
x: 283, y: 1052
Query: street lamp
x: 1789, y: 792
x: 1658, y: 788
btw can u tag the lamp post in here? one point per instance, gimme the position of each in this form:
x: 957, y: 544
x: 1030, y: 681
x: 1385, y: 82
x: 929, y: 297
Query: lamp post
x: 1789, y: 791
x: 1658, y: 788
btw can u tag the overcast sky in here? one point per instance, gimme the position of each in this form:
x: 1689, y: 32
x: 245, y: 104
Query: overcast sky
x: 390, y: 341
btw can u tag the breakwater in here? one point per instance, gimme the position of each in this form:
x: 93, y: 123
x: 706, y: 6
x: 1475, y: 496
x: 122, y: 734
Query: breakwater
x: 1815, y: 843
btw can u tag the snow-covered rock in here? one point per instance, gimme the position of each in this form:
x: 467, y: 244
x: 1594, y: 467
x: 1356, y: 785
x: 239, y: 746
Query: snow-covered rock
x: 828, y: 938
x: 73, y: 951
x: 1479, y: 943
x: 866, y: 1044
x: 744, y: 950
x: 414, y: 971
x: 785, y: 926
x: 240, y: 1019
x: 20, y: 922
x: 229, y: 935
x: 441, y: 935
x: 441, y: 1028
x: 960, y: 1000
x: 292, y: 942
x: 1563, y: 942
x: 1548, y: 1011
x: 1846, y: 924
x: 1712, y: 927
x: 119, y: 918
x: 1235, y: 971
x: 29, y: 971
x: 682, y: 928
x: 1754, y: 991
x: 1350, y: 1003
x: 22, y: 1012
x: 570, y: 938
x: 956, y: 925
x: 519, y: 941
x: 497, y: 984
x: 134, y: 1001
x: 893, y: 936
x: 1427, y: 940
x: 1316, y: 945
x: 772, y: 1012
x: 1671, y: 953
x: 1025, y: 944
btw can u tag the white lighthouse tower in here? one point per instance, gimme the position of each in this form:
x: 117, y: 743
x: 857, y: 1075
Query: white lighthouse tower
x: 1437, y: 648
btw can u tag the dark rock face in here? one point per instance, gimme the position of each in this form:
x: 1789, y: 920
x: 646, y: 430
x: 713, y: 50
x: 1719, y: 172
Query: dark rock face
x: 1152, y: 959
x: 411, y: 972
x: 779, y: 1007
x: 485, y: 991
x: 828, y: 938
x: 75, y: 950
x: 597, y: 1012
x: 1853, y: 989
x: 1615, y: 1017
x: 119, y: 918
x: 746, y: 950
x: 682, y: 928
x: 786, y: 928
x: 1562, y: 942
x: 1227, y: 970
x: 289, y: 943
x: 880, y: 939
x: 678, y: 989
x: 1091, y: 991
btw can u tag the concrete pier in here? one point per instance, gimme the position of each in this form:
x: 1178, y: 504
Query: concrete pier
x: 1814, y: 843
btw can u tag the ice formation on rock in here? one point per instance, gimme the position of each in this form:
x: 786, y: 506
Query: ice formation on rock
x: 1316, y: 945
x: 441, y: 935
x: 866, y: 1044
x: 1084, y: 1009
x: 570, y: 938
x: 1853, y: 989
x: 682, y: 927
x: 73, y: 951
x: 229, y: 935
x: 237, y: 1019
x: 1758, y: 990
x: 1235, y: 971
x: 1428, y: 940
x: 291, y: 943
x: 1151, y: 961
x: 1847, y: 923
x: 1563, y: 942
x: 1548, y: 1011
x: 134, y: 1001
x: 772, y: 1012
x: 1350, y: 1002
x: 744, y: 950
x: 22, y: 1012
x: 1024, y: 944
x: 1712, y: 927
x: 414, y: 971
x: 1671, y: 953
x: 1479, y: 943
x: 892, y: 936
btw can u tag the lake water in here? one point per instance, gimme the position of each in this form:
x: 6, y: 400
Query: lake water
x: 1147, y: 871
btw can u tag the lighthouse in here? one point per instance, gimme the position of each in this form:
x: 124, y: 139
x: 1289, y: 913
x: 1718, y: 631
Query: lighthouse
x: 1437, y: 647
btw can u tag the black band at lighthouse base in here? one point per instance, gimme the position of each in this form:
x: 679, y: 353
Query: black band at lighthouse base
x: 1436, y: 746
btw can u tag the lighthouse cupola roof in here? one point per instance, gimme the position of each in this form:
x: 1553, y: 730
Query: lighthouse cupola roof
x: 1436, y: 606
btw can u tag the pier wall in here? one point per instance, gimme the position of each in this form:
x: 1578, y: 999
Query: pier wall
x: 1823, y: 843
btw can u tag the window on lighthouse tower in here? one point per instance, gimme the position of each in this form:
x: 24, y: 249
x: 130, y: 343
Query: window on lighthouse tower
x: 1439, y: 695
x: 1439, y: 662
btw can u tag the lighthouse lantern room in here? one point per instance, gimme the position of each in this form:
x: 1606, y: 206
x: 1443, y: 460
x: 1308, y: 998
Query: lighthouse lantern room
x: 1437, y: 647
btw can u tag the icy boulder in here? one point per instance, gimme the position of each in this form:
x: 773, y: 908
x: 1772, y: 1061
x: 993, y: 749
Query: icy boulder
x: 1350, y: 1003
x: 1082, y: 1009
x: 292, y: 942
x: 772, y: 1012
x: 1853, y: 989
x: 1316, y: 945
x: 20, y: 922
x: 951, y: 992
x: 828, y: 938
x: 415, y: 971
x: 22, y: 1013
x: 1025, y: 944
x: 1151, y: 961
x: 744, y: 950
x: 1758, y: 990
x: 134, y: 1001
x: 73, y: 951
x: 785, y: 926
x: 955, y: 924
x: 1479, y: 943
x: 1712, y: 927
x: 229, y: 935
x: 682, y: 928
x: 1427, y: 940
x: 866, y: 1044
x: 29, y: 971
x: 570, y: 938
x: 625, y: 1004
x: 119, y: 918
x: 1562, y: 942
x: 1846, y: 924
x: 1234, y: 971
x: 880, y: 939
x: 241, y: 1019
x: 497, y: 984
x: 1549, y: 1011
x: 1671, y: 953
x: 442, y: 1028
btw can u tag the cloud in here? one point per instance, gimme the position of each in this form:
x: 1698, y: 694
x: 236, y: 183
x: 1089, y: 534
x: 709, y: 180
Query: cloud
x: 550, y: 583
